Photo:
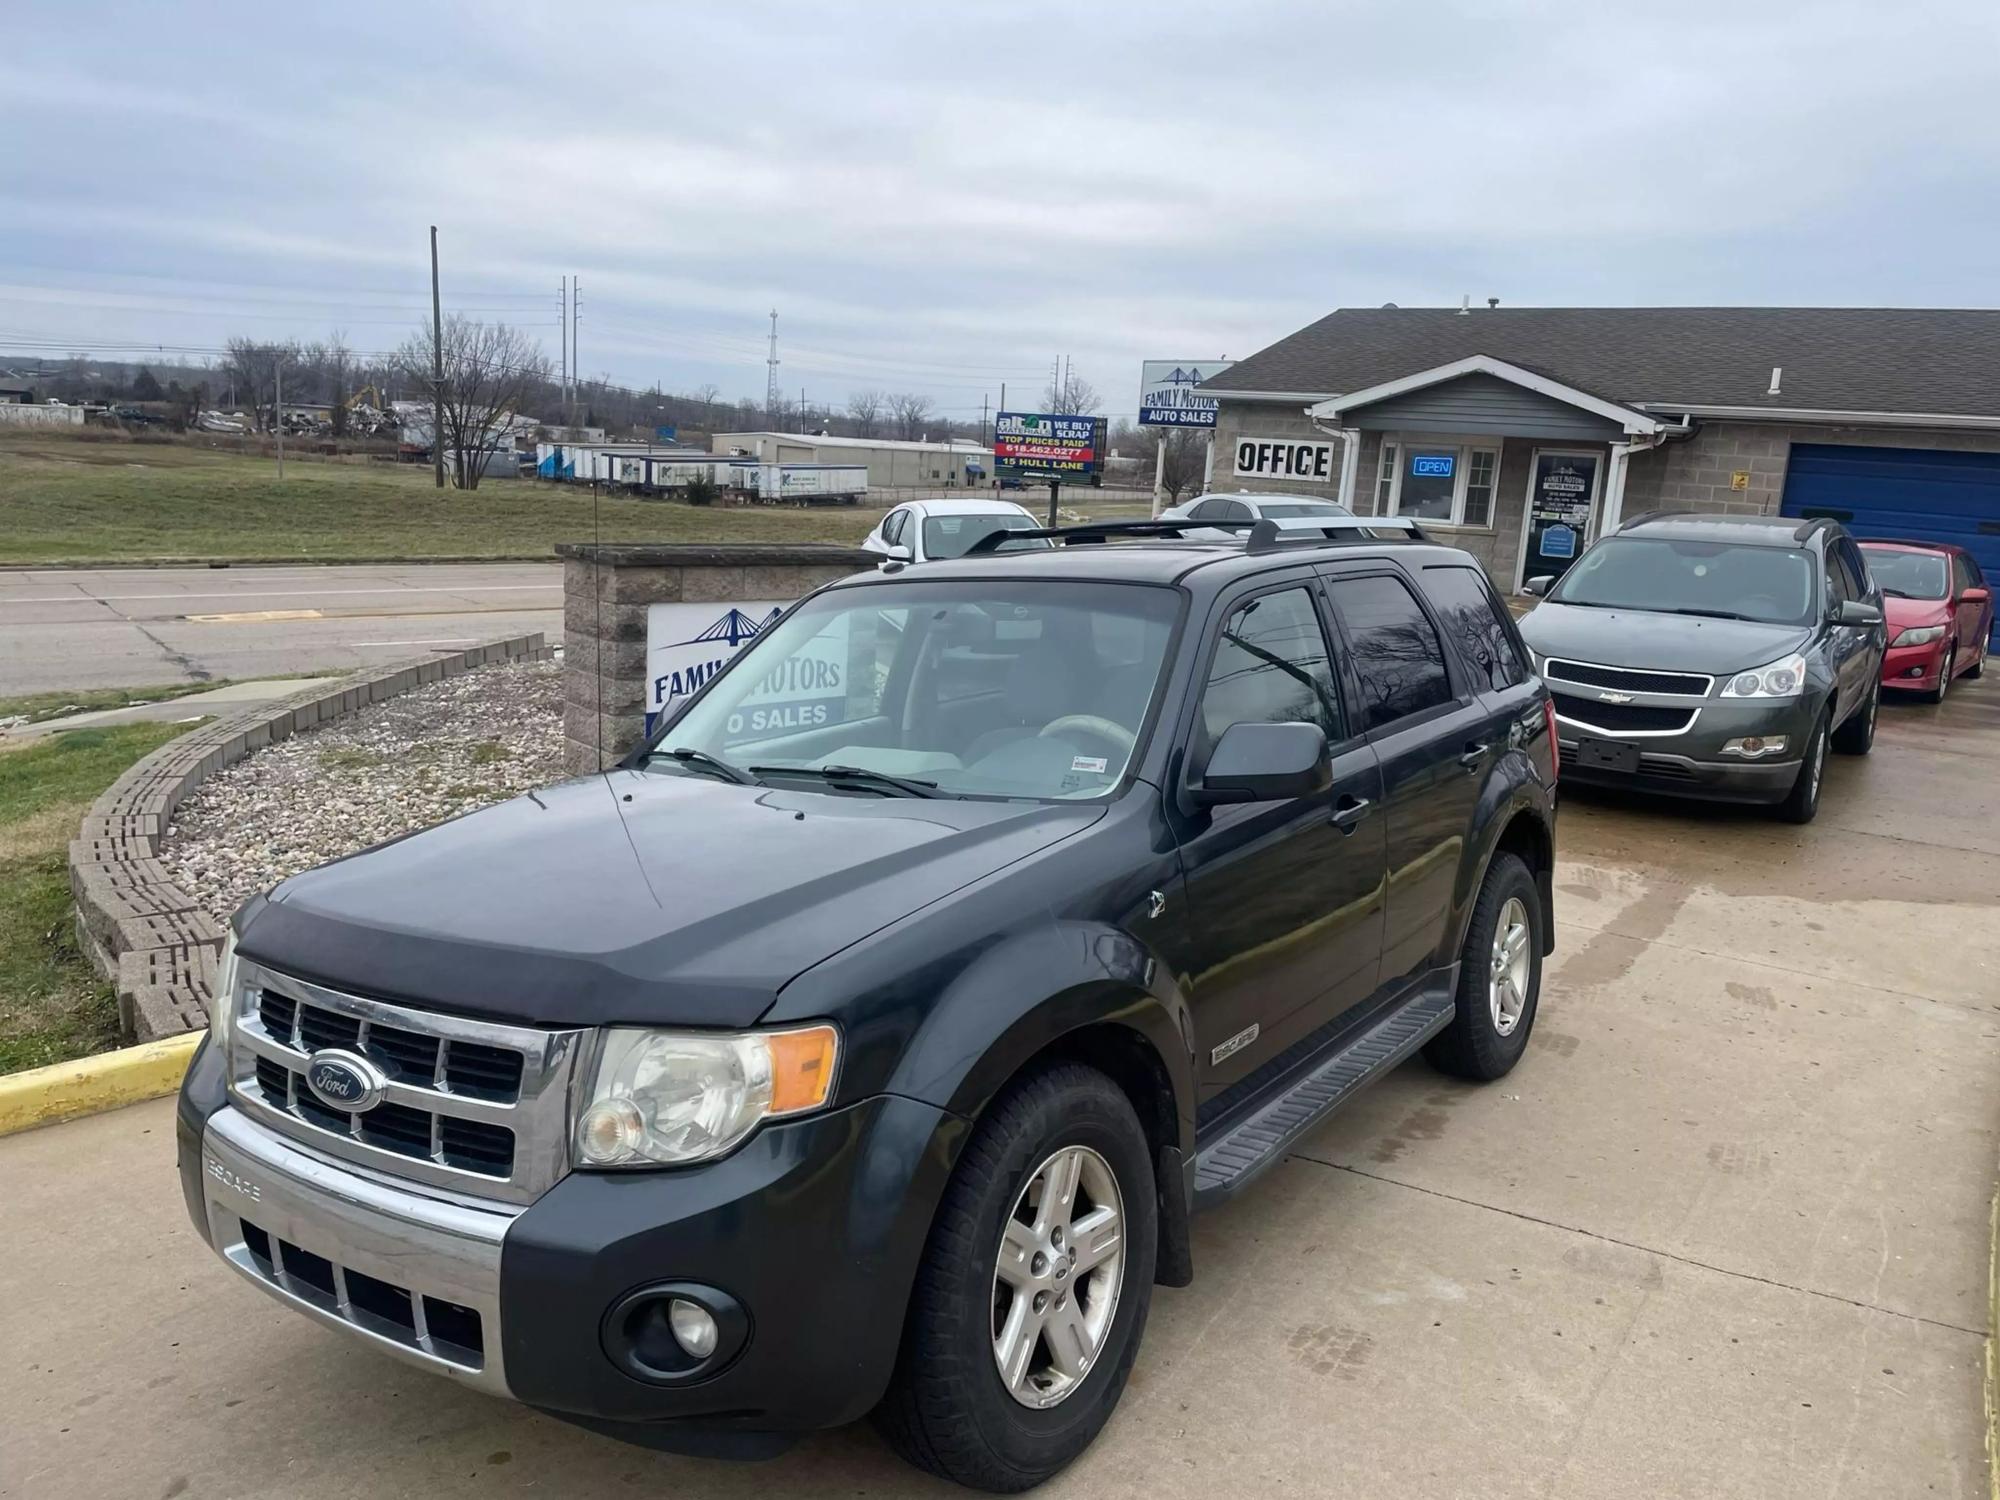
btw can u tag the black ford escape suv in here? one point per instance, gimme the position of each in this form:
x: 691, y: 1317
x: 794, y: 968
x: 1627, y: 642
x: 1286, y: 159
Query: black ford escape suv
x: 866, y: 1040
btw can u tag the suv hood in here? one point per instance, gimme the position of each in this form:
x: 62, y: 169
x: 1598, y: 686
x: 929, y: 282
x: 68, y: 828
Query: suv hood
x: 649, y: 898
x: 1664, y: 642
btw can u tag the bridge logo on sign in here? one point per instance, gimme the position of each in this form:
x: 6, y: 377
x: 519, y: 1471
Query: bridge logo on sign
x: 686, y: 644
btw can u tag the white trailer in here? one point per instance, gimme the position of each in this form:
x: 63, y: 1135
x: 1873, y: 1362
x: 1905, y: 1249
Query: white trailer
x: 799, y: 484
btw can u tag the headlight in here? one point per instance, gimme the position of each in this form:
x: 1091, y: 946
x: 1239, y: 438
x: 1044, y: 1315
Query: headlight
x: 1918, y: 635
x: 222, y: 1003
x: 1781, y: 679
x: 666, y: 1098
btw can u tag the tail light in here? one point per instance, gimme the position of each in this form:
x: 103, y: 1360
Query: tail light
x: 1555, y: 748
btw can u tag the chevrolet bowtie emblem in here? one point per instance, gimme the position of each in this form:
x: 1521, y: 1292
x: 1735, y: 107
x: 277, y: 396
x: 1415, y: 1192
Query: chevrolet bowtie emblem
x: 1615, y: 697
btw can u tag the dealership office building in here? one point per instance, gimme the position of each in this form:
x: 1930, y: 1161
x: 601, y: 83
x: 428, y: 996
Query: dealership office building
x: 1521, y: 434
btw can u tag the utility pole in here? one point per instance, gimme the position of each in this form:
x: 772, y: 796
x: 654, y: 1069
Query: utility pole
x: 278, y: 373
x: 575, y: 360
x: 563, y: 318
x: 437, y: 367
x: 771, y: 375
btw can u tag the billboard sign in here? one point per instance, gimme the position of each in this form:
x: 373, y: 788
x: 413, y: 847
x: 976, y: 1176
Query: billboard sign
x: 1044, y: 447
x: 1167, y: 392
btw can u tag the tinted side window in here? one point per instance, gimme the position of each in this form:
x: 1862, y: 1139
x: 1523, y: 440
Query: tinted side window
x: 892, y: 529
x: 1839, y: 588
x: 1396, y: 653
x: 1234, y: 510
x: 1854, y: 566
x: 1963, y: 574
x: 1271, y: 667
x: 1208, y: 510
x: 1474, y: 620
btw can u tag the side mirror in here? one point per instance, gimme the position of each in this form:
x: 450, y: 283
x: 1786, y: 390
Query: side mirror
x: 1974, y: 596
x: 1857, y: 612
x: 1266, y: 763
x: 1539, y: 585
x: 892, y: 552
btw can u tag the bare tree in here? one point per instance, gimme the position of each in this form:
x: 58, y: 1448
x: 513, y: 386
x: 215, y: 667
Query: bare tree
x: 489, y: 370
x: 253, y: 371
x: 338, y: 359
x: 864, y: 412
x: 910, y: 412
x: 1186, y: 459
x: 1073, y: 396
x: 707, y: 395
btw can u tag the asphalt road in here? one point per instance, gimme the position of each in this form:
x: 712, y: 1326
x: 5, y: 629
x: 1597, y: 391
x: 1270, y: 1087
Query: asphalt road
x: 1723, y: 1232
x: 135, y: 627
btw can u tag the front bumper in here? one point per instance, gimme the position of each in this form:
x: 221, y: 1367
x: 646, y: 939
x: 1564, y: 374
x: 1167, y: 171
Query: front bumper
x: 814, y: 1226
x: 1913, y: 668
x: 1691, y: 762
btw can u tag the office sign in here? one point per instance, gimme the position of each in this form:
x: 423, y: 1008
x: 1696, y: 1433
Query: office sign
x: 1044, y: 447
x: 1285, y: 458
x: 1168, y: 396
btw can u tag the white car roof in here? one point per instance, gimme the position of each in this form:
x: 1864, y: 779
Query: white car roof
x: 943, y: 506
x: 1261, y: 496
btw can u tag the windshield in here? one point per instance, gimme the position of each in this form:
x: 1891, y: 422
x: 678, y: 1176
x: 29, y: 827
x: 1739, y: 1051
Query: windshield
x: 950, y: 536
x: 974, y: 689
x: 1733, y: 580
x: 1909, y: 575
x: 1314, y: 508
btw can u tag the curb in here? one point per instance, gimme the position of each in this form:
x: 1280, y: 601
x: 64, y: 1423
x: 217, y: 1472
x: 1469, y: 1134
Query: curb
x: 154, y: 941
x: 1993, y: 1355
x: 446, y: 559
x: 92, y: 1085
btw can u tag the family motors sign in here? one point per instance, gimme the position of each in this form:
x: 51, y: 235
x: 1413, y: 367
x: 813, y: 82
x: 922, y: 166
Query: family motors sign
x: 1168, y: 395
x: 687, y: 644
x: 1044, y: 446
x: 1284, y: 458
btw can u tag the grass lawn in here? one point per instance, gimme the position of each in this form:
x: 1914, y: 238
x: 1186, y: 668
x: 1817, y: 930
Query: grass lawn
x: 37, y: 708
x: 69, y: 498
x: 53, y: 1005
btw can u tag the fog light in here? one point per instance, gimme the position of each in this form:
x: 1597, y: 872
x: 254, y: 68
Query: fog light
x: 694, y: 1329
x: 1753, y: 745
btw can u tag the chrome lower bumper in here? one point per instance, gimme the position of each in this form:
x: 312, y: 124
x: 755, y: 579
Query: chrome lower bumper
x: 415, y: 1276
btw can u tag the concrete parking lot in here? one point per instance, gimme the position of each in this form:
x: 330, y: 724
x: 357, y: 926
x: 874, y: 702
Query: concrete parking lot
x: 1724, y: 1232
x: 70, y: 628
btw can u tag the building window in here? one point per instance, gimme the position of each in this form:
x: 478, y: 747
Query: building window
x: 1449, y: 483
x: 1385, y: 478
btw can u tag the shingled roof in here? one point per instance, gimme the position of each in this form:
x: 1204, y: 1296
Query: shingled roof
x: 1943, y: 361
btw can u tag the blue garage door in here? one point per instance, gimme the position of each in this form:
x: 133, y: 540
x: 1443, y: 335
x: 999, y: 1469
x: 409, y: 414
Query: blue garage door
x: 1916, y: 494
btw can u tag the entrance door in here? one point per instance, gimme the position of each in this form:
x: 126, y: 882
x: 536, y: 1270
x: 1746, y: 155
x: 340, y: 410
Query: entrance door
x: 1561, y: 511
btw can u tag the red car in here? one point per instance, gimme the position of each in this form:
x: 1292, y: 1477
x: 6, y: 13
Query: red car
x: 1940, y: 614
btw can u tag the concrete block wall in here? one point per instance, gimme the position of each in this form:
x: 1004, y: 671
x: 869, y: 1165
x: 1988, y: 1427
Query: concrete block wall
x: 150, y: 938
x: 1697, y: 474
x: 607, y: 591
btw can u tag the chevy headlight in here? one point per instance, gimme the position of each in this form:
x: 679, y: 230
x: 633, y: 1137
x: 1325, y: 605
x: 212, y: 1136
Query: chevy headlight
x: 1781, y: 679
x: 1918, y: 635
x: 223, y: 1001
x: 667, y: 1098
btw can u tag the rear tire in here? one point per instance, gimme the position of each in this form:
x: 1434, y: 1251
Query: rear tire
x: 1857, y: 735
x: 1801, y: 804
x: 1499, y: 977
x: 949, y: 1410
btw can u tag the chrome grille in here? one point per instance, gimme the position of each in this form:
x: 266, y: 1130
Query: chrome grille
x: 476, y: 1106
x: 1628, y: 679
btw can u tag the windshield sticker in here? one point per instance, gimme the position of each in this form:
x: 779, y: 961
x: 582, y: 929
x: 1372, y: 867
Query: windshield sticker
x: 1095, y: 763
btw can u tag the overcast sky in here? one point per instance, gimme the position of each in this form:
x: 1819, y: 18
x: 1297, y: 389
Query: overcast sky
x: 943, y: 197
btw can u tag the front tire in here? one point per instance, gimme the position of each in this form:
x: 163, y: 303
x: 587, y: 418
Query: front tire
x: 1499, y: 977
x: 1945, y: 669
x: 1801, y: 804
x: 1042, y: 1256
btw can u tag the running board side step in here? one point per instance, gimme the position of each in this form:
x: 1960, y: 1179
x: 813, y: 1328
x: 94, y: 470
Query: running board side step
x: 1262, y: 1136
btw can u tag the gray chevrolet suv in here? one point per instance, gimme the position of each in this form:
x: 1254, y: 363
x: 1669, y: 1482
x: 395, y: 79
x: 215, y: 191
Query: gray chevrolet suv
x: 1712, y: 656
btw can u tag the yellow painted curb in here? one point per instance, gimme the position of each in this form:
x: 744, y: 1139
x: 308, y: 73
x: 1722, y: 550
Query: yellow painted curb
x: 91, y: 1085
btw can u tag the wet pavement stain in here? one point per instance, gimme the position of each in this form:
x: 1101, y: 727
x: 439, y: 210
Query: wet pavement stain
x: 1753, y: 994
x: 1734, y: 1159
x: 1558, y: 1042
x: 1328, y: 1349
x: 1615, y: 1263
x: 1418, y: 1125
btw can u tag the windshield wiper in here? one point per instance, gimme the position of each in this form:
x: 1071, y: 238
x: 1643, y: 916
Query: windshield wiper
x: 1710, y: 614
x: 908, y: 786
x: 701, y: 760
x: 1896, y: 593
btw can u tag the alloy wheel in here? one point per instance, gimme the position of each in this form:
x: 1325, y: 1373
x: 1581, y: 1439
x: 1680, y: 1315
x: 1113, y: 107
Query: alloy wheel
x: 1056, y: 1283
x: 1507, y: 981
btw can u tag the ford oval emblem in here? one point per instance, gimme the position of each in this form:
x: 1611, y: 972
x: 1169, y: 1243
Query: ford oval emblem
x: 345, y: 1081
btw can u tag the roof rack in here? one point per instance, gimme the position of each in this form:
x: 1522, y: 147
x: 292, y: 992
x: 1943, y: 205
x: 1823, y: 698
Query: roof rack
x: 1806, y: 528
x: 1265, y: 535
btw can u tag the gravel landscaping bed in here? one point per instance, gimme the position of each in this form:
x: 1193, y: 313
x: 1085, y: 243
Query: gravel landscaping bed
x: 404, y: 764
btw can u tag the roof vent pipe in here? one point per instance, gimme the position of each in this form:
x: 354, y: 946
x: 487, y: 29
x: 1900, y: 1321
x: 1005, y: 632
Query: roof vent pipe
x: 1492, y: 301
x: 1776, y: 372
x: 1465, y: 306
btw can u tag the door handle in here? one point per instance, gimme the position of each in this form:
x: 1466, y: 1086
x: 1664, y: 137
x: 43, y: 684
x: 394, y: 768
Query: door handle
x: 1349, y: 811
x: 1473, y: 756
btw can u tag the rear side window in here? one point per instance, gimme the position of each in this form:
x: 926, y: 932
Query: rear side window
x: 1397, y: 654
x: 1476, y: 623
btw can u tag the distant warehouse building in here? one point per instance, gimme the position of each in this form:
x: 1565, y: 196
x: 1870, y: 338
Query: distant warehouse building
x: 1522, y: 434
x: 948, y: 463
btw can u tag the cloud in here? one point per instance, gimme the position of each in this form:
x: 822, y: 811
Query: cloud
x: 944, y: 198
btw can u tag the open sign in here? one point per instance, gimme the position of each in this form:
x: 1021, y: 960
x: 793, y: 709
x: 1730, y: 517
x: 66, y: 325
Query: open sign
x: 1433, y: 465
